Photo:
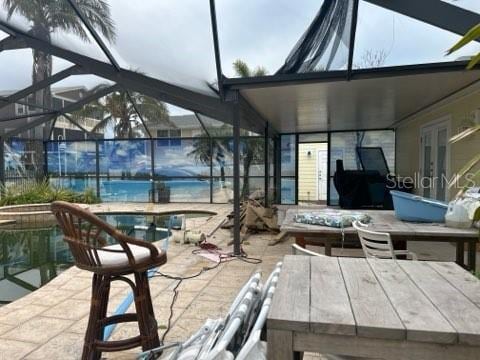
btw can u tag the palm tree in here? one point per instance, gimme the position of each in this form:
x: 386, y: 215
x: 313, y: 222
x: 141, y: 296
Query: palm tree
x: 252, y: 150
x: 48, y: 16
x: 242, y: 69
x: 120, y: 108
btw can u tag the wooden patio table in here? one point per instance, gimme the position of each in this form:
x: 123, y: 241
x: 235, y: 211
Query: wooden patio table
x: 374, y: 308
x: 385, y: 220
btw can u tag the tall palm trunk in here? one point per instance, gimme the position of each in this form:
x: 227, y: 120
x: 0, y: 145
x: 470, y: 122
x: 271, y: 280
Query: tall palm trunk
x: 42, y: 66
x: 41, y: 70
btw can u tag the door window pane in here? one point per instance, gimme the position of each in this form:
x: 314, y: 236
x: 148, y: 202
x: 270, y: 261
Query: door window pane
x: 441, y: 164
x: 427, y: 163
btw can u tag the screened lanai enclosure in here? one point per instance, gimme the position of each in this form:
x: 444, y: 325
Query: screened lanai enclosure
x: 213, y: 99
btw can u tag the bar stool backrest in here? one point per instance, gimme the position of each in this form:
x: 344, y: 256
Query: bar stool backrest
x: 86, y: 234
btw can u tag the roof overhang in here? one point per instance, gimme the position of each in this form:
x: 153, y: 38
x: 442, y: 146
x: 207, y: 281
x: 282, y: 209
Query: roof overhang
x: 377, y: 99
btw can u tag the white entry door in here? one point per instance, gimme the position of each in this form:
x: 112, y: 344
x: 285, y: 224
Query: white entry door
x: 322, y: 160
x: 434, y: 160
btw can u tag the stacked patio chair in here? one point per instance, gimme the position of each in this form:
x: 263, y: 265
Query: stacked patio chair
x: 237, y: 336
x: 379, y: 244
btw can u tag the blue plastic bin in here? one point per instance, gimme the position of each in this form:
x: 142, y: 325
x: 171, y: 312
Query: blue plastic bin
x: 410, y: 207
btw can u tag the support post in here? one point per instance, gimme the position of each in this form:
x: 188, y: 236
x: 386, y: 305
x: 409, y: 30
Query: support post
x: 97, y: 168
x: 152, y: 164
x: 278, y: 164
x: 46, y: 175
x: 267, y: 166
x: 329, y: 167
x: 236, y: 176
x: 353, y: 30
x: 296, y: 169
x: 216, y: 47
x: 2, y: 164
x: 211, y: 169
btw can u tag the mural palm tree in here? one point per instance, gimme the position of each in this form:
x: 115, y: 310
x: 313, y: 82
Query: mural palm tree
x: 205, y: 148
x: 120, y: 109
x: 252, y: 150
x: 48, y: 16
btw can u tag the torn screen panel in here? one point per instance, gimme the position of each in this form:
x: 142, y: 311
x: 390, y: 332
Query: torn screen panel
x: 325, y: 44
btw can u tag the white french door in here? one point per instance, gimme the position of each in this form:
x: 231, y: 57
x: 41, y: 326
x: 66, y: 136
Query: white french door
x: 434, y: 160
x: 322, y: 160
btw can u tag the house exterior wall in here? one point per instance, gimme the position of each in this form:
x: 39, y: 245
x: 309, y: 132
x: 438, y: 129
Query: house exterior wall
x: 307, y: 171
x: 460, y: 111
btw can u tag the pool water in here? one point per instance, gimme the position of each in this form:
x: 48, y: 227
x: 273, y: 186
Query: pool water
x: 31, y: 257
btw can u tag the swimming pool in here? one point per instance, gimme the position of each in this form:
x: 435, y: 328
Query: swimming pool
x: 31, y: 257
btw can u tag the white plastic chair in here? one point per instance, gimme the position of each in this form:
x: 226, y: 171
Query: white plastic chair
x: 378, y: 244
x: 271, y: 280
x: 254, y: 348
x: 241, y: 313
x: 298, y: 250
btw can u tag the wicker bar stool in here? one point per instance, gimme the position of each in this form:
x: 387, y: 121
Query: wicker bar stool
x: 86, y: 236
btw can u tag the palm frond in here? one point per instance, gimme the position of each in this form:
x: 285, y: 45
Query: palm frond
x: 241, y: 68
x: 473, y: 61
x: 464, y: 134
x: 152, y: 110
x: 97, y: 13
x: 50, y: 15
x: 102, y: 124
x: 471, y: 35
x: 476, y: 215
x: 62, y: 16
x: 260, y: 71
x: 463, y: 171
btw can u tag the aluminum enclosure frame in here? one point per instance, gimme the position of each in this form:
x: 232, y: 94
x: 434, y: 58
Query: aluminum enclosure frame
x: 231, y: 107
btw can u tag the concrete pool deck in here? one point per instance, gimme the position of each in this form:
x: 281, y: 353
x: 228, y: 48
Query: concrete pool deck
x: 50, y: 322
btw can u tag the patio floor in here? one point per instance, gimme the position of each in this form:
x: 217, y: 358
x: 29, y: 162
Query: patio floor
x: 50, y: 322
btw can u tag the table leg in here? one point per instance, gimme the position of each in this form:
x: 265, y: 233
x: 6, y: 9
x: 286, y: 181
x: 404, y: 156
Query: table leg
x: 328, y: 247
x: 300, y: 240
x: 472, y: 255
x: 400, y: 245
x: 460, y: 257
x: 280, y: 345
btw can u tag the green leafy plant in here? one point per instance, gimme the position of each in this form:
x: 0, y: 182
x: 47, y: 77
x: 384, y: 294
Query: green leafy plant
x: 471, y: 35
x: 472, y: 165
x: 43, y: 192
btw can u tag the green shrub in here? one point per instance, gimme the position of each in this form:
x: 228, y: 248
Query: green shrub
x: 43, y: 192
